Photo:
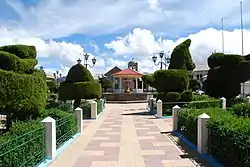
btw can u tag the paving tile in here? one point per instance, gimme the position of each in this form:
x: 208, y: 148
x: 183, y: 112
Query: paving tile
x: 116, y: 140
x: 153, y: 152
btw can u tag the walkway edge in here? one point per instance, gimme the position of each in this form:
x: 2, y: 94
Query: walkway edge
x: 192, y: 146
x: 47, y: 162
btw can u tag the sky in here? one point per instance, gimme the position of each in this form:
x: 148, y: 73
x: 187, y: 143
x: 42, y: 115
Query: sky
x: 115, y: 31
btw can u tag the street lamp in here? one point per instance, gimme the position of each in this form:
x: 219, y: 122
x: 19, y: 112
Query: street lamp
x: 86, y: 57
x: 161, y: 55
x: 57, y: 75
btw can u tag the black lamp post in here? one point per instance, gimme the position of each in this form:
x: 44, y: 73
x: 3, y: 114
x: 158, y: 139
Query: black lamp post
x: 86, y: 57
x: 57, y: 75
x: 161, y: 55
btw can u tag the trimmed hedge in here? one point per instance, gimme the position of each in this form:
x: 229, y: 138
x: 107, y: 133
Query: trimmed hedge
x: 79, y: 90
x: 24, y: 139
x: 187, y: 96
x: 204, y: 104
x: 169, y: 97
x: 11, y: 62
x: 86, y: 109
x: 78, y: 73
x: 22, y: 51
x: 181, y: 57
x: 22, y: 95
x: 241, y: 109
x: 229, y: 140
x: 171, y: 80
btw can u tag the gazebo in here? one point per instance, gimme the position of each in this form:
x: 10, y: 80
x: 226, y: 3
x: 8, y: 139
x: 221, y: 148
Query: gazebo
x: 126, y: 76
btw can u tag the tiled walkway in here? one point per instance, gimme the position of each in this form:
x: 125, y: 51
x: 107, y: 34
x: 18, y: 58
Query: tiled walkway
x: 123, y: 136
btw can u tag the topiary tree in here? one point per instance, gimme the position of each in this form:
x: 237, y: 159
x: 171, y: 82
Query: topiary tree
x: 23, y: 89
x: 226, y: 73
x: 79, y: 84
x: 170, y: 80
x: 105, y: 83
x: 181, y: 57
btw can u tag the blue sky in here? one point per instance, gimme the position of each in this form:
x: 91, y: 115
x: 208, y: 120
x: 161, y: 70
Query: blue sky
x: 116, y: 31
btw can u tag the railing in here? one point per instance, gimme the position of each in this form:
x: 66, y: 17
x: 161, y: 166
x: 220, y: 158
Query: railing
x: 99, y: 106
x: 65, y: 129
x: 27, y: 150
x: 187, y: 127
x: 230, y: 152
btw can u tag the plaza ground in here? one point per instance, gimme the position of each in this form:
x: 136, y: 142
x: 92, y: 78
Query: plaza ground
x: 126, y: 135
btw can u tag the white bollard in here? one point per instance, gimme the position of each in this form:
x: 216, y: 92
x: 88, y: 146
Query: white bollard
x: 248, y: 99
x: 175, y: 111
x: 93, y: 109
x: 202, y: 136
x: 50, y: 137
x: 224, y: 103
x: 159, y: 108
x: 79, y: 120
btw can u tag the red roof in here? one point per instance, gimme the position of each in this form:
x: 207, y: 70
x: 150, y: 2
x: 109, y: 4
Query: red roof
x: 127, y: 72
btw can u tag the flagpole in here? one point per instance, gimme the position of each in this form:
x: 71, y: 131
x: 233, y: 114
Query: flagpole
x: 242, y: 35
x: 242, y: 42
x: 222, y: 33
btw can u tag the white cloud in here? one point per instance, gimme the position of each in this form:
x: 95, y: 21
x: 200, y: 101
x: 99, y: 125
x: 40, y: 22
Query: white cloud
x: 52, y: 55
x: 142, y: 44
x: 59, y: 18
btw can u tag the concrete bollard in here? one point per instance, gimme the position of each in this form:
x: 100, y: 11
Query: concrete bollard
x: 50, y: 137
x: 175, y: 111
x: 79, y: 120
x: 248, y: 99
x: 202, y: 136
x: 224, y: 102
x: 159, y: 108
x: 93, y: 109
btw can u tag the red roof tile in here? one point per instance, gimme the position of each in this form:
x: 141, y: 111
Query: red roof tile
x: 128, y: 72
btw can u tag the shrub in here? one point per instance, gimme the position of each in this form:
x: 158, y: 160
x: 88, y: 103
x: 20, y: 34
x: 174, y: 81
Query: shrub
x: 227, y: 133
x: 181, y: 57
x: 23, y: 145
x: 11, y: 62
x: 22, y: 95
x: 235, y: 100
x: 202, y: 98
x: 193, y: 84
x: 226, y: 69
x: 171, y: 80
x: 204, y: 104
x: 86, y: 109
x: 78, y: 73
x: 169, y: 97
x: 241, y: 109
x: 22, y: 51
x: 79, y: 90
x: 187, y: 96
x: 79, y: 84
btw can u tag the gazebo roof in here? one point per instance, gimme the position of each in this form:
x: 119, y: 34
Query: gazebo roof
x: 128, y: 73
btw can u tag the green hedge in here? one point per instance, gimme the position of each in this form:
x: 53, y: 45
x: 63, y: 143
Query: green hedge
x: 22, y: 51
x: 79, y: 90
x: 11, y: 62
x: 241, y: 109
x: 86, y: 109
x: 22, y: 95
x: 204, y: 104
x: 187, y: 95
x: 78, y: 73
x: 169, y: 97
x: 171, y: 80
x: 229, y: 140
x: 23, y: 144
